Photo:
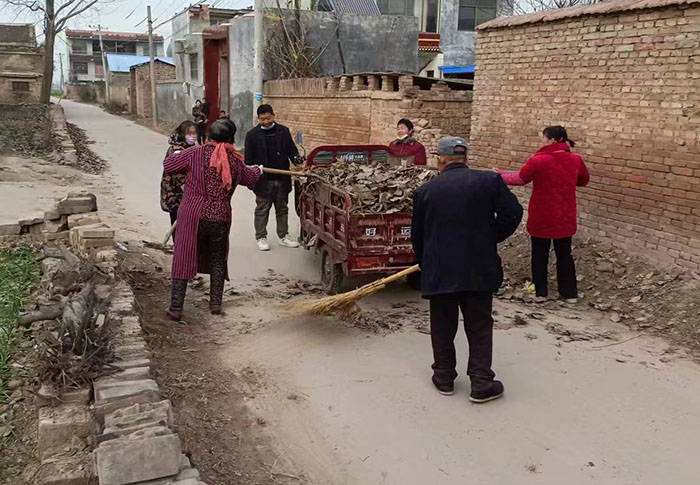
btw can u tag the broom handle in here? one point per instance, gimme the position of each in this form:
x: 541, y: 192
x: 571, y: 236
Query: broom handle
x: 277, y: 171
x: 169, y: 233
x: 399, y: 275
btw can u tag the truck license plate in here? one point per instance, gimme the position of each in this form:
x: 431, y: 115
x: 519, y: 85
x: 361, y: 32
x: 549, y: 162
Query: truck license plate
x: 406, y: 231
x: 370, y: 231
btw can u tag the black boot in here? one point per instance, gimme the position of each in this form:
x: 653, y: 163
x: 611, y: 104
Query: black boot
x: 492, y: 391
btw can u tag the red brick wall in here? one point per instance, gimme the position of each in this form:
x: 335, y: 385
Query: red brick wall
x: 340, y: 111
x: 627, y: 87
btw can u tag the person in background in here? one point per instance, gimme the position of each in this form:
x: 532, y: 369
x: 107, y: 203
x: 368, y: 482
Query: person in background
x: 204, y: 220
x: 171, y: 186
x: 270, y: 145
x: 458, y: 220
x: 200, y: 121
x: 405, y: 145
x: 555, y: 172
x: 223, y: 115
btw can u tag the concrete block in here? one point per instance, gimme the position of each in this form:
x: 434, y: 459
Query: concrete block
x: 52, y: 215
x: 10, y: 229
x: 106, y: 255
x: 31, y: 219
x: 46, y: 396
x: 63, y: 236
x: 81, y: 396
x: 125, y: 414
x: 131, y: 423
x: 132, y: 351
x: 58, y: 425
x: 96, y: 243
x: 145, y: 455
x: 54, y: 226
x: 95, y: 231
x: 84, y: 219
x: 77, y: 203
x: 135, y: 374
x: 36, y: 229
x: 188, y: 474
x: 78, y: 469
x: 130, y: 364
x: 107, y: 391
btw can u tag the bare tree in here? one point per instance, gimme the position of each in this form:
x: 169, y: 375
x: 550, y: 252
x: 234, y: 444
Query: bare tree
x: 55, y: 14
x: 520, y: 7
x: 287, y: 47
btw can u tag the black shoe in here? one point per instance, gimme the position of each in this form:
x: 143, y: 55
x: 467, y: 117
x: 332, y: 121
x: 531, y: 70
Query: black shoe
x: 493, y: 391
x: 444, y: 389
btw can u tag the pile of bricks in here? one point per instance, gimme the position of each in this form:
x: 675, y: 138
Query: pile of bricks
x: 138, y: 442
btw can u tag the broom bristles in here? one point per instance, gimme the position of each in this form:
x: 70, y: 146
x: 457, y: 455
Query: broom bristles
x: 329, y: 304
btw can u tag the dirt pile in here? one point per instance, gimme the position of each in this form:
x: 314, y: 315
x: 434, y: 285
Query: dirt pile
x: 377, y: 188
x: 627, y: 289
x: 88, y: 161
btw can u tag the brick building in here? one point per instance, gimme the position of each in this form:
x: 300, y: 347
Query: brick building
x: 364, y: 109
x: 624, y: 78
x: 21, y: 64
x: 140, y: 102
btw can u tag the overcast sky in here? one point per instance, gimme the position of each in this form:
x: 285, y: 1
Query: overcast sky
x: 121, y: 15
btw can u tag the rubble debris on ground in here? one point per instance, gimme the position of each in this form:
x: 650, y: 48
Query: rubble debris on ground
x: 88, y: 161
x: 631, y: 291
x: 376, y: 188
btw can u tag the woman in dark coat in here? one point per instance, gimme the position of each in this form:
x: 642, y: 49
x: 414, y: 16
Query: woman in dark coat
x: 171, y: 186
x: 555, y: 172
x: 405, y: 145
x: 200, y: 120
x: 204, y: 220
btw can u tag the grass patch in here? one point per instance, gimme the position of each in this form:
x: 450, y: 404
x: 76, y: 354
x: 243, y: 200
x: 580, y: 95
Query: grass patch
x: 19, y: 274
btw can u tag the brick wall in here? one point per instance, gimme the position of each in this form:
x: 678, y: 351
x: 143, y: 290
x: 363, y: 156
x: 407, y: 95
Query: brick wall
x: 365, y: 109
x: 626, y: 84
x: 140, y: 86
x: 21, y: 67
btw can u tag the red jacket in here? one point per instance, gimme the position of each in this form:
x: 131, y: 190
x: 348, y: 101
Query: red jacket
x: 409, y: 147
x: 555, y: 173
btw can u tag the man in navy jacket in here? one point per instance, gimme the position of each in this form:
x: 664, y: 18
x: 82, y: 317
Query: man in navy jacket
x: 458, y: 220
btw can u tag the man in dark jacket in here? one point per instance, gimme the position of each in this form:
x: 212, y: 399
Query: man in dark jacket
x: 270, y: 144
x: 458, y: 220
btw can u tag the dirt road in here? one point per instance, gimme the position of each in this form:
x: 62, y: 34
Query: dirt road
x: 587, y: 402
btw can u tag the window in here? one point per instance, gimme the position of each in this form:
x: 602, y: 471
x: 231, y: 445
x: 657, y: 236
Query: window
x: 20, y: 86
x: 395, y: 7
x: 80, y: 68
x: 475, y: 12
x: 79, y: 47
x: 194, y: 68
x: 99, y: 71
x: 431, y: 16
x: 430, y: 73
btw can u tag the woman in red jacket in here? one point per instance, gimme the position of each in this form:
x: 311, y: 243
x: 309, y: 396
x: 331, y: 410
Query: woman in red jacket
x: 406, y: 145
x: 555, y: 173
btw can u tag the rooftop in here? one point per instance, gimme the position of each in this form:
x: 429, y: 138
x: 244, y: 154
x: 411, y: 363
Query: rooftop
x: 615, y: 6
x: 110, y: 35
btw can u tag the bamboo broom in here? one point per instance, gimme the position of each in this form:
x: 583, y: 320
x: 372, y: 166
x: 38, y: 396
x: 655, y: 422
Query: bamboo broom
x: 346, y: 301
x: 169, y: 234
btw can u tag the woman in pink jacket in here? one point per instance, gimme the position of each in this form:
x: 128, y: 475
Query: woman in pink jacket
x: 555, y: 172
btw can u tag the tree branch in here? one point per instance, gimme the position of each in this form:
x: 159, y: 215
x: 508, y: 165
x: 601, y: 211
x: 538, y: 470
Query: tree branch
x: 61, y: 23
x: 66, y: 5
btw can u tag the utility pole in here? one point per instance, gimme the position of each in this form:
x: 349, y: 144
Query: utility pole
x: 154, y: 103
x: 60, y: 63
x: 258, y: 59
x: 104, y: 63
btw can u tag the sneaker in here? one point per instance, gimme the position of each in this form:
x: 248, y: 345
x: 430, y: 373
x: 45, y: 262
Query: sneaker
x: 494, y: 391
x: 540, y: 299
x: 288, y: 242
x: 444, y: 389
x: 262, y: 244
x: 572, y: 301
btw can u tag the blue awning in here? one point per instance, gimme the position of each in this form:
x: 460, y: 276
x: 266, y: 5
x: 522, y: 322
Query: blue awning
x: 457, y: 69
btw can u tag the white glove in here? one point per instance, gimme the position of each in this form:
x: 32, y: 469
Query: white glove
x: 261, y: 169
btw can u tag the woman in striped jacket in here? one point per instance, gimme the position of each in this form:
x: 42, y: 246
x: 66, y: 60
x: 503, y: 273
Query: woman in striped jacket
x: 213, y: 171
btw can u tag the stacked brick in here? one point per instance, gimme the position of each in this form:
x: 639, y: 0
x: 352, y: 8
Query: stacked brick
x: 364, y: 109
x: 138, y: 442
x: 53, y: 224
x: 625, y: 81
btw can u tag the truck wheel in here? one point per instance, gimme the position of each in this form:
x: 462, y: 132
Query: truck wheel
x: 413, y: 280
x: 331, y: 273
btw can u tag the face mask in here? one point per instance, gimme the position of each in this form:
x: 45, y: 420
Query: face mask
x: 191, y: 139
